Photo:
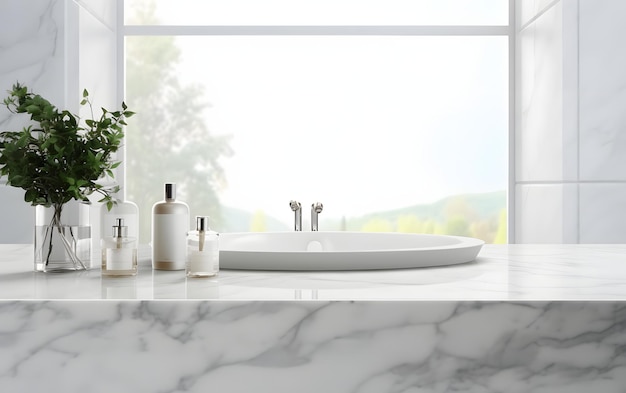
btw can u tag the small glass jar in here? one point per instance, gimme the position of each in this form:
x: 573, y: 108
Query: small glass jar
x: 203, y: 254
x: 119, y: 252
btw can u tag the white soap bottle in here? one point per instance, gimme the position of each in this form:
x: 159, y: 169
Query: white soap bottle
x: 170, y: 224
x: 203, y: 254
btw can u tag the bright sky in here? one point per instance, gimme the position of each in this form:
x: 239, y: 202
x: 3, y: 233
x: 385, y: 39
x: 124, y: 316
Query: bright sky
x: 359, y: 123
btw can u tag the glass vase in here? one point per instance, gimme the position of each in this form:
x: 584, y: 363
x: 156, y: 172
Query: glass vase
x: 62, y: 237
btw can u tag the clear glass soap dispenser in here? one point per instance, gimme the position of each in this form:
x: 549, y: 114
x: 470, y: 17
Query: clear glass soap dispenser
x: 121, y: 209
x: 203, y: 254
x: 119, y: 252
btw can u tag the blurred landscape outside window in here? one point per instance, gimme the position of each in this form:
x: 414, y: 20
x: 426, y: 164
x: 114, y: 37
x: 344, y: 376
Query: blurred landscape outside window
x: 389, y: 132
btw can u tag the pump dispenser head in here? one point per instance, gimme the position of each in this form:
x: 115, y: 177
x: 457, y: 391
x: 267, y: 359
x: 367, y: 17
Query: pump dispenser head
x: 202, y: 223
x: 119, y: 230
x: 170, y: 191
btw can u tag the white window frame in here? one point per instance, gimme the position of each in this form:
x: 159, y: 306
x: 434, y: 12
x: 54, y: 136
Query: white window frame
x: 335, y: 30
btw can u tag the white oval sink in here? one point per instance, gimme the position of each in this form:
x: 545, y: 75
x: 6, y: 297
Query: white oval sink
x: 342, y: 250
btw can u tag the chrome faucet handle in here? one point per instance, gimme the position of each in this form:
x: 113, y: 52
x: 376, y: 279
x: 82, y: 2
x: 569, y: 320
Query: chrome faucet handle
x: 295, y: 205
x: 316, y: 209
x: 317, y: 206
x: 297, y: 208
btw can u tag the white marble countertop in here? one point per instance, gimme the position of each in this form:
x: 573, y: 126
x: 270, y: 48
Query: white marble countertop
x: 501, y: 272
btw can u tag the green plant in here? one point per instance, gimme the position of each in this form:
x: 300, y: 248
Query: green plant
x: 58, y: 157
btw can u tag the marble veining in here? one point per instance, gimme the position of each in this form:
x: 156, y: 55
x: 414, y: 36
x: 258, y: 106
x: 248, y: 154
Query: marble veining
x: 540, y: 137
x: 316, y: 346
x: 521, y: 318
x: 570, y: 90
x: 31, y: 46
x: 602, y: 119
x: 501, y: 272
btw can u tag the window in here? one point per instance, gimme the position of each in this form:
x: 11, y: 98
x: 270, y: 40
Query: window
x: 319, y: 13
x: 393, y: 126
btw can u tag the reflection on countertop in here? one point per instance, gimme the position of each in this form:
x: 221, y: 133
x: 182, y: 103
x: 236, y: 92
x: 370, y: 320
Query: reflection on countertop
x: 501, y: 272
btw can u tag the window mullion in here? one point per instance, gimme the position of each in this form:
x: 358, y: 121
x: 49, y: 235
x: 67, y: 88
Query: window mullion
x: 152, y: 30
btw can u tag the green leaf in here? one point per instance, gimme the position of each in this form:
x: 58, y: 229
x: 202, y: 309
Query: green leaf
x: 30, y: 195
x: 16, y: 180
x: 57, y: 159
x: 33, y: 109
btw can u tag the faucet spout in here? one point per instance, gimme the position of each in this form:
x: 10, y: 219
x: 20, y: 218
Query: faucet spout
x: 296, y: 207
x: 316, y: 209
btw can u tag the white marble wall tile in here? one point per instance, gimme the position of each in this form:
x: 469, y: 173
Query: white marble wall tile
x: 602, y: 90
x: 46, y: 44
x: 546, y: 213
x: 603, y: 213
x: 103, y: 10
x: 32, y: 51
x: 31, y: 47
x: 97, y: 60
x: 96, y: 57
x: 570, y: 89
x: 331, y: 347
x: 17, y: 217
x: 543, y: 148
x: 525, y: 10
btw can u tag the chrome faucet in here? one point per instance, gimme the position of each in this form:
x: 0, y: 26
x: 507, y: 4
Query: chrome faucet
x: 316, y: 209
x: 297, y: 208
